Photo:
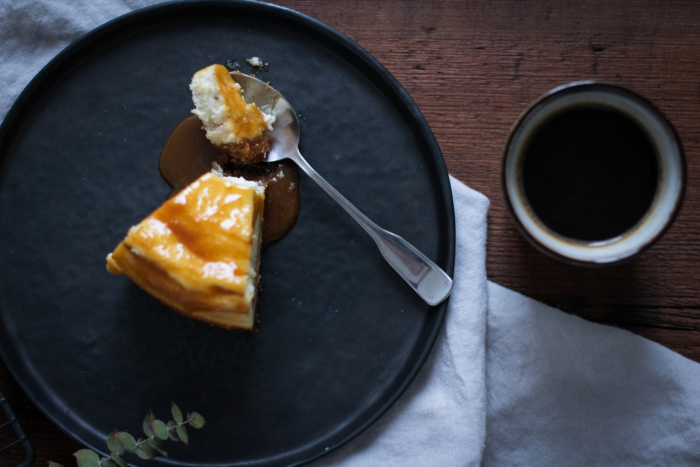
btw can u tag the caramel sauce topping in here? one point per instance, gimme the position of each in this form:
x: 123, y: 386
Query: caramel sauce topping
x: 187, y: 154
x: 247, y: 119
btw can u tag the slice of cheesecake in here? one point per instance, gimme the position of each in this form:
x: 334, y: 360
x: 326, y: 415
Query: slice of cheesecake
x: 232, y: 125
x: 199, y: 252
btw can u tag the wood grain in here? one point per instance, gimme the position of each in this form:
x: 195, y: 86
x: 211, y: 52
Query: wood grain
x: 472, y: 67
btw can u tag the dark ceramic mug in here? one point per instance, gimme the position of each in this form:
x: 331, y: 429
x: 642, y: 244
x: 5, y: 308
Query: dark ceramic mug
x: 592, y: 173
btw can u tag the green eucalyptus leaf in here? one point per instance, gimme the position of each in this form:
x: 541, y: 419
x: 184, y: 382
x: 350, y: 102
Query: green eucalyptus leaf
x: 196, y: 420
x: 119, y: 461
x: 54, y: 464
x: 150, y: 418
x: 127, y: 440
x: 114, y: 444
x: 171, y: 431
x: 87, y: 458
x: 177, y: 413
x: 182, y: 434
x: 145, y: 451
x: 107, y: 462
x: 159, y: 429
x: 158, y: 445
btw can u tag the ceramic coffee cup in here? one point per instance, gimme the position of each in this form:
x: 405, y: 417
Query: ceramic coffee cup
x: 592, y: 173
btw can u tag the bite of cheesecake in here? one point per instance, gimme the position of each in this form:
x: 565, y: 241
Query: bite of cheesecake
x: 199, y: 253
x: 232, y: 125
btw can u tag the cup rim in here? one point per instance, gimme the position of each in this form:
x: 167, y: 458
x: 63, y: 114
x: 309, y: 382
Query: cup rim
x: 584, y: 86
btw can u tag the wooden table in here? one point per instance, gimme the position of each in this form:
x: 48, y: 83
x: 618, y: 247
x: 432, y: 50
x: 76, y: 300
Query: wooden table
x: 472, y: 67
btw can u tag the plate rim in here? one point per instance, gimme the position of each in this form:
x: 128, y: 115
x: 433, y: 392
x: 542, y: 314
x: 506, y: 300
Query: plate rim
x: 40, y: 85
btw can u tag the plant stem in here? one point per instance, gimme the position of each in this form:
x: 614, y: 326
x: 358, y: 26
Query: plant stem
x: 169, y: 429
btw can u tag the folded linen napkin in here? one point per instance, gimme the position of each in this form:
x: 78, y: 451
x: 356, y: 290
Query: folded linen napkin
x: 510, y: 381
x: 555, y: 390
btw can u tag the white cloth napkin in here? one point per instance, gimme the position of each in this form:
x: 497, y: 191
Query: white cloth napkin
x: 510, y: 381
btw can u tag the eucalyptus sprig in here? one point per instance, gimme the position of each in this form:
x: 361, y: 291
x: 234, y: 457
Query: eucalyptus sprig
x: 156, y: 431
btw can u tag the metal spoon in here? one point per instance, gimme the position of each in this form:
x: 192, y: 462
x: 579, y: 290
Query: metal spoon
x: 425, y: 277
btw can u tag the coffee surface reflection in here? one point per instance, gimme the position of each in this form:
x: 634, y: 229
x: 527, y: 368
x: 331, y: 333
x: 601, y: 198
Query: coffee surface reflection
x: 590, y: 173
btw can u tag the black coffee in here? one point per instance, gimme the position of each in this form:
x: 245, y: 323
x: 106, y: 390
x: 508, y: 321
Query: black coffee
x: 590, y: 174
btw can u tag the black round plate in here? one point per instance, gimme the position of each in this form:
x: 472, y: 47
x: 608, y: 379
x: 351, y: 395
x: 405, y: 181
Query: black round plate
x: 341, y: 335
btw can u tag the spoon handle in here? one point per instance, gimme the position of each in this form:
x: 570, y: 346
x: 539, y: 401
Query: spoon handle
x: 425, y: 277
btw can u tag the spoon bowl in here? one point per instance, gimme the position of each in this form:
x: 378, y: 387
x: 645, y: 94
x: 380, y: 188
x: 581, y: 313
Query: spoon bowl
x: 423, y: 275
